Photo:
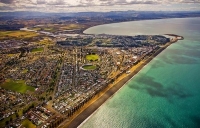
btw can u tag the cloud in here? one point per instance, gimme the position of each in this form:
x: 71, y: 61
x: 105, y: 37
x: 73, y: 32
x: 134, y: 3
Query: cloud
x: 144, y: 2
x: 190, y: 1
x: 127, y: 2
x: 2, y: 8
x: 56, y: 2
x: 93, y: 5
x: 41, y: 1
x: 7, y: 1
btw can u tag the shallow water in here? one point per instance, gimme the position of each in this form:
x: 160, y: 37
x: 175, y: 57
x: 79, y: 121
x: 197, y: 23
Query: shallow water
x: 165, y: 93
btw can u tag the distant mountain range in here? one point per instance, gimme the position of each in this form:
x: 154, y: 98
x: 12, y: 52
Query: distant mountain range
x: 25, y: 14
x: 17, y: 20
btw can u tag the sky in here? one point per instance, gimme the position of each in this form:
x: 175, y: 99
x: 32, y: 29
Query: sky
x: 98, y: 5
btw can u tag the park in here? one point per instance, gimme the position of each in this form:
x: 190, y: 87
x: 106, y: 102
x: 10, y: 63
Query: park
x: 17, y: 86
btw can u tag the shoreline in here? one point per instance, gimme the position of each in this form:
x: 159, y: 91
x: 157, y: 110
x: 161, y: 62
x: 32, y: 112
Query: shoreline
x: 100, y: 98
x: 83, y: 31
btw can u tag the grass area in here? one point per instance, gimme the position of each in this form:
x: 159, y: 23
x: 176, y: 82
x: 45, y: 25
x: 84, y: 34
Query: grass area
x: 28, y: 124
x: 71, y: 26
x: 17, y: 34
x: 92, y: 57
x: 45, y: 41
x: 49, y: 29
x: 25, y: 71
x: 44, y: 28
x: 37, y: 49
x: 11, y: 55
x: 36, y: 29
x: 18, y: 86
x: 57, y: 27
x: 89, y: 67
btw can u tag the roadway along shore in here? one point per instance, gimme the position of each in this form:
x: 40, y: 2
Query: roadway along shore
x: 92, y: 105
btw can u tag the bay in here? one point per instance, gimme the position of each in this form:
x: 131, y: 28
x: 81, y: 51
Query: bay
x: 166, y: 92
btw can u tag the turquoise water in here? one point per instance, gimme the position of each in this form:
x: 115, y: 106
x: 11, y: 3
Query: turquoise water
x: 166, y: 92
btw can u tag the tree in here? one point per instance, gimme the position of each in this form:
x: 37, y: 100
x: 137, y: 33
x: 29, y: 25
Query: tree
x: 24, y: 111
x: 50, y: 98
x: 17, y: 115
x: 32, y: 106
x: 11, y: 119
x: 7, y: 122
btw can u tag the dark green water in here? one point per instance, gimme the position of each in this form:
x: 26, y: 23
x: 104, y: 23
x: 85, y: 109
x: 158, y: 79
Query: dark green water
x: 166, y: 92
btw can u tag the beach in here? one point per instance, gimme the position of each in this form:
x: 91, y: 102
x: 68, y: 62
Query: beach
x: 91, y: 106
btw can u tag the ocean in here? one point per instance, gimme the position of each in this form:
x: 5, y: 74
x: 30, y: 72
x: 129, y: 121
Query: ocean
x: 166, y: 92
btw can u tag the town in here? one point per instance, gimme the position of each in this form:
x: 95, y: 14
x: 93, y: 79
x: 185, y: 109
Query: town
x: 45, y: 80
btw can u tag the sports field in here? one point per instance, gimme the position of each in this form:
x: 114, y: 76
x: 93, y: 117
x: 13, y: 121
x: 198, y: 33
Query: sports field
x: 92, y: 57
x: 17, y: 86
x: 89, y: 67
x: 37, y: 50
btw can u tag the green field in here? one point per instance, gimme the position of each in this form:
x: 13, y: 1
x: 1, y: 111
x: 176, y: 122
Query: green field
x: 45, y: 41
x: 56, y: 27
x: 28, y: 124
x: 17, y: 34
x: 25, y: 71
x: 89, y: 67
x: 18, y: 86
x: 37, y: 50
x: 92, y: 57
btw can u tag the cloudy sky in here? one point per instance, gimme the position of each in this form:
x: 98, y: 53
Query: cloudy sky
x: 98, y: 5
